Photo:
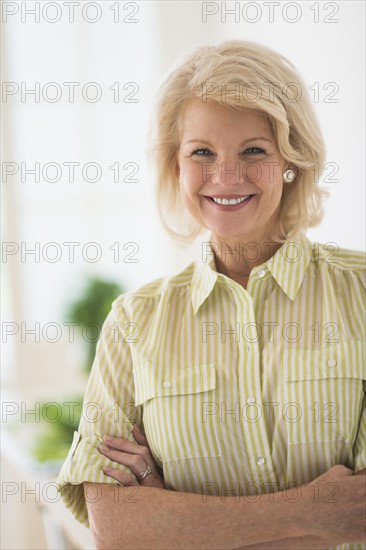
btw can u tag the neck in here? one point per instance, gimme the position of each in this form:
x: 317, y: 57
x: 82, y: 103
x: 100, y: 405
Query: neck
x: 236, y: 257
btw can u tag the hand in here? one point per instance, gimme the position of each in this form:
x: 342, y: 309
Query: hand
x: 342, y: 517
x: 136, y: 456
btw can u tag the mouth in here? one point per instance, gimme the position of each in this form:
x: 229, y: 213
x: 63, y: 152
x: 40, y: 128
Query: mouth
x: 229, y: 202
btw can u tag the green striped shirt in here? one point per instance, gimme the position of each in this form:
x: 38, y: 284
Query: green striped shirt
x: 239, y: 391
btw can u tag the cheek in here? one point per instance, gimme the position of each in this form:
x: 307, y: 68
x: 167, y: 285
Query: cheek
x: 267, y: 176
x: 190, y: 178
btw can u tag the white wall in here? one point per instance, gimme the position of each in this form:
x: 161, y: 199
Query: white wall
x: 331, y: 58
x: 106, y: 132
x: 328, y: 49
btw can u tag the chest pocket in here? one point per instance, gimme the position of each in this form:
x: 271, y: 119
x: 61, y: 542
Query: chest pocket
x: 179, y: 410
x: 323, y: 391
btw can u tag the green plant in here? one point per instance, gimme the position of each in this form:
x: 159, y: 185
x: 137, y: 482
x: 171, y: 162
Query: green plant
x: 90, y: 311
x: 57, y: 430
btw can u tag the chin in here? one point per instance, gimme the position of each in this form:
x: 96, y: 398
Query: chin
x: 228, y: 232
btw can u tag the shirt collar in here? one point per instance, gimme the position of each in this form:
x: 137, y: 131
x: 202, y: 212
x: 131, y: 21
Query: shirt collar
x: 287, y: 266
x: 204, y: 277
x: 290, y: 263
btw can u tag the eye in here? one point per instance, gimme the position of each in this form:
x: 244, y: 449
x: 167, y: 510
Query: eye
x: 201, y: 152
x: 255, y: 151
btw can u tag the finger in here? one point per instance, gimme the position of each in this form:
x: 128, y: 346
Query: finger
x: 138, y: 428
x: 136, y: 462
x: 124, y: 479
x: 127, y: 459
x: 126, y: 446
x: 342, y: 470
x: 139, y: 436
x: 122, y: 444
x: 153, y: 479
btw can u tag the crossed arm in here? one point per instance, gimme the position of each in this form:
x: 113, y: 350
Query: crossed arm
x: 162, y: 519
x: 148, y: 516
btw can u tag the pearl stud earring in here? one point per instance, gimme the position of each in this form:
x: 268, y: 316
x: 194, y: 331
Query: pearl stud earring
x: 289, y: 176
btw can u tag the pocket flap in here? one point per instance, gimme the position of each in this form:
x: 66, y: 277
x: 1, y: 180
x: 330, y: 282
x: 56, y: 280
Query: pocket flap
x: 157, y: 380
x: 341, y: 360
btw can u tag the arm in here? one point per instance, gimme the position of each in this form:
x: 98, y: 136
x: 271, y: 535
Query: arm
x: 293, y: 543
x: 297, y: 542
x: 108, y: 408
x: 162, y: 519
x: 153, y: 518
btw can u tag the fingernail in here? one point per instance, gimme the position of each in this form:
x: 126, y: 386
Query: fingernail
x: 107, y: 470
x: 107, y: 438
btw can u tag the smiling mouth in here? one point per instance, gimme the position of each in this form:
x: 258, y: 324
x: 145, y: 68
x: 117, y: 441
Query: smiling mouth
x: 229, y: 201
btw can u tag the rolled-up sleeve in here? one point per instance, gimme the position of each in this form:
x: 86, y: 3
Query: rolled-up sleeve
x: 108, y: 408
x: 360, y: 444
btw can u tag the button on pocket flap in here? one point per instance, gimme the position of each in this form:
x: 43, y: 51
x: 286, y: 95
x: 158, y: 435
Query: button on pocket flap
x: 156, y: 380
x: 341, y: 360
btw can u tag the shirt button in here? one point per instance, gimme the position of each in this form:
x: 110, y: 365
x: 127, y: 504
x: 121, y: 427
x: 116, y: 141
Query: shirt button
x: 261, y: 273
x: 260, y: 460
x: 167, y: 384
x: 331, y: 362
x: 251, y: 399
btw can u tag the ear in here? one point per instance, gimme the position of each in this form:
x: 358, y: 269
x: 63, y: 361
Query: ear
x: 293, y: 168
x: 177, y: 169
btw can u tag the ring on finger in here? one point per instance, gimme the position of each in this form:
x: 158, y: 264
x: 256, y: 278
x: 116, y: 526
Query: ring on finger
x: 144, y: 474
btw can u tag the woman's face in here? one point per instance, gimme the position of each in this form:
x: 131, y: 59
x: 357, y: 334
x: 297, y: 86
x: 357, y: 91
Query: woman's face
x: 230, y: 170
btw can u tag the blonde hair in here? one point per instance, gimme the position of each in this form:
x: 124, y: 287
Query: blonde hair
x: 272, y: 85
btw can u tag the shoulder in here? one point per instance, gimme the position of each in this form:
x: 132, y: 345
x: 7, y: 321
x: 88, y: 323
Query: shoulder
x: 332, y: 256
x: 153, y: 291
x: 341, y: 263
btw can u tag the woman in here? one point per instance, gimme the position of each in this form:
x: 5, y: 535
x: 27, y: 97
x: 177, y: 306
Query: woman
x: 246, y: 371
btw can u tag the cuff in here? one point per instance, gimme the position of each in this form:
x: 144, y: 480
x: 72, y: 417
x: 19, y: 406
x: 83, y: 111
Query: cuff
x: 83, y: 463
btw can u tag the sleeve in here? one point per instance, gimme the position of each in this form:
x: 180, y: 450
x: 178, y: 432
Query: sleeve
x: 360, y: 443
x: 108, y: 408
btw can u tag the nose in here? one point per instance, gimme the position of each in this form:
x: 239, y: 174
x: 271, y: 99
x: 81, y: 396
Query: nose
x: 228, y: 173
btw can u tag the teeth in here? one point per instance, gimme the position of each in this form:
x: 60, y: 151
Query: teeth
x: 230, y: 201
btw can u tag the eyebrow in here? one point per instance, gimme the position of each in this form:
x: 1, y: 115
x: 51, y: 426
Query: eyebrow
x: 240, y: 145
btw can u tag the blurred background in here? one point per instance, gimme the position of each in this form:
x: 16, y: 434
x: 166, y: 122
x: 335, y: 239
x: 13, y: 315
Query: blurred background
x: 79, y: 223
